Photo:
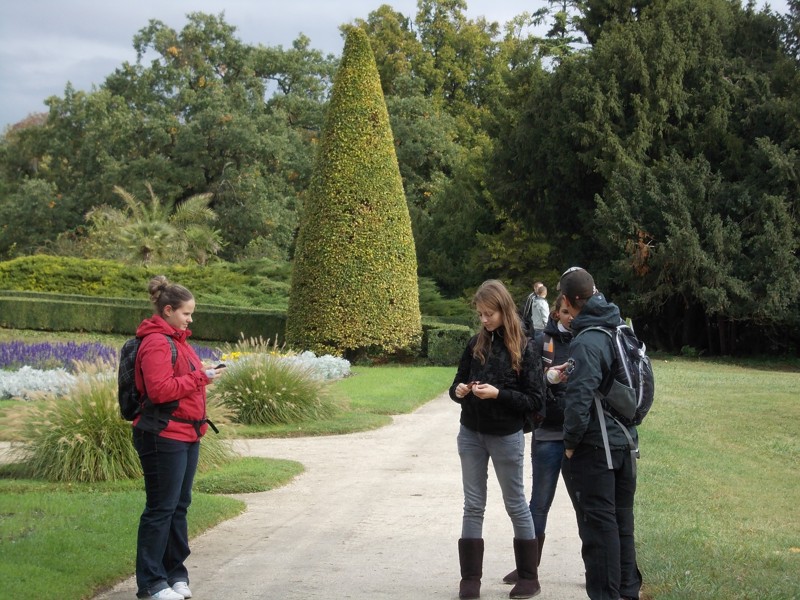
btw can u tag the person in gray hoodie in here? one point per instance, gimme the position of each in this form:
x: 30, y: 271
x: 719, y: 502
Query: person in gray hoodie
x: 603, y: 497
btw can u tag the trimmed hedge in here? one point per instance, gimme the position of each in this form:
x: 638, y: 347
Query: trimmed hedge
x: 254, y: 283
x: 443, y: 343
x: 63, y: 312
x: 354, y: 285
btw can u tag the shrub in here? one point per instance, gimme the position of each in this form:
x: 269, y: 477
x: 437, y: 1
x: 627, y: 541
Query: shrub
x: 255, y: 284
x: 268, y: 390
x: 82, y: 438
x: 354, y: 284
x: 446, y: 344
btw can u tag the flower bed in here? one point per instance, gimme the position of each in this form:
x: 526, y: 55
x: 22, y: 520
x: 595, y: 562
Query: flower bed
x: 29, y: 370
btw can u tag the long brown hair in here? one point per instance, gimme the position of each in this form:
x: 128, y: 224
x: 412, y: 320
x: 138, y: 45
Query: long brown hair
x: 493, y: 295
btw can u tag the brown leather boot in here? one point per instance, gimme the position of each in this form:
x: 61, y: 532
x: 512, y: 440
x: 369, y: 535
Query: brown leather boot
x: 470, y: 555
x: 526, y: 553
x: 513, y: 577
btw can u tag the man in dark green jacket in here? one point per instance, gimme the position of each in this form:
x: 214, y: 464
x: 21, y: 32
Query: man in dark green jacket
x: 602, y: 496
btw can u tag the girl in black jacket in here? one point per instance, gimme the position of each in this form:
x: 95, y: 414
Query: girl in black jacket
x: 498, y: 385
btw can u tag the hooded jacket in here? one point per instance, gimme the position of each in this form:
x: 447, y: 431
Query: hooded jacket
x: 519, y: 395
x: 185, y: 382
x: 593, y: 356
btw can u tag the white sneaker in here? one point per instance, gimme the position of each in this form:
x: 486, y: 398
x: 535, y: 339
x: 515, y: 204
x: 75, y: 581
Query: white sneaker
x: 182, y: 588
x: 167, y: 594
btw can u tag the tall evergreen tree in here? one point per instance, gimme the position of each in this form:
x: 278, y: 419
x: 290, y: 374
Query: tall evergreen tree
x: 354, y: 285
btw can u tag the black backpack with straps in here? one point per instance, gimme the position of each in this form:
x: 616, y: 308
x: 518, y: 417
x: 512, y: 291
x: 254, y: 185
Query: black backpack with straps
x: 626, y: 394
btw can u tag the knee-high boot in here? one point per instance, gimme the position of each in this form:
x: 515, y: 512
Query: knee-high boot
x: 526, y: 554
x: 512, y: 577
x: 470, y: 556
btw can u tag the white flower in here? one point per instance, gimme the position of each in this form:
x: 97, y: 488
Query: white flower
x: 324, y: 367
x: 27, y: 382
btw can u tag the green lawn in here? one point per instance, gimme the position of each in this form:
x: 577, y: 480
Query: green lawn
x: 718, y: 483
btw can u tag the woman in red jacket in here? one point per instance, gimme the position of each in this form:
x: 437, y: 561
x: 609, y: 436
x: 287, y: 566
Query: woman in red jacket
x: 172, y: 382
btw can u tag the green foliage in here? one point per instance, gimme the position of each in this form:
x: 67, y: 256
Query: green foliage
x: 190, y: 117
x: 264, y: 389
x: 28, y: 217
x: 254, y: 283
x: 59, y: 312
x: 156, y: 232
x: 664, y: 161
x: 433, y: 304
x: 446, y: 343
x: 354, y: 285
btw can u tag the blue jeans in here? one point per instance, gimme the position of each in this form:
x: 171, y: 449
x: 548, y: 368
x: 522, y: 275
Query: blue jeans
x: 546, y: 457
x: 603, y: 502
x: 508, y: 455
x: 163, y: 542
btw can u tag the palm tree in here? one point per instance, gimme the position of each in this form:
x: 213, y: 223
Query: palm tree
x: 155, y: 231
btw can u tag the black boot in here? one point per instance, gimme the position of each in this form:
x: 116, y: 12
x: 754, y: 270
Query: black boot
x: 526, y: 554
x: 470, y: 555
x: 513, y: 577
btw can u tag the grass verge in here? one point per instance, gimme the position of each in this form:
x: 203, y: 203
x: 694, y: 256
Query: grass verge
x: 717, y: 492
x: 71, y: 540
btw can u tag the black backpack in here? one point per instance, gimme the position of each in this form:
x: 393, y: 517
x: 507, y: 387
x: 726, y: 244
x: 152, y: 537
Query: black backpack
x: 130, y: 403
x: 626, y: 394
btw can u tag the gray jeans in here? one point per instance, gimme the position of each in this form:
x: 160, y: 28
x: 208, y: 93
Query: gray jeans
x: 508, y: 457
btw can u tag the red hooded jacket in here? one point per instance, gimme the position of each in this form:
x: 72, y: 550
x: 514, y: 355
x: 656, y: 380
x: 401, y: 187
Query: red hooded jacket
x: 155, y: 376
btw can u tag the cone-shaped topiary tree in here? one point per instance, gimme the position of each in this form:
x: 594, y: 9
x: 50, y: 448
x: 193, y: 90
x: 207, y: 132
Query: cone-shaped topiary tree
x: 354, y: 283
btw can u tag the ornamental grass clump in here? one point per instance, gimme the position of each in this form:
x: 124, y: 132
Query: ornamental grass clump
x: 268, y: 390
x: 81, y: 437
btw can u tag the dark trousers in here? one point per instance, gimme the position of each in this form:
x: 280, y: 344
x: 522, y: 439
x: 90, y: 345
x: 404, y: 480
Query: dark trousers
x: 603, y: 502
x: 163, y: 542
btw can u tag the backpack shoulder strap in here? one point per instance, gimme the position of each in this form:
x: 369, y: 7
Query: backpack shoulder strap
x: 173, y: 349
x: 606, y: 330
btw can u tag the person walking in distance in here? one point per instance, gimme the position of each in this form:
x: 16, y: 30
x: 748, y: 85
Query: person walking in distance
x: 498, y: 384
x: 602, y: 495
x: 536, y: 311
x: 166, y: 434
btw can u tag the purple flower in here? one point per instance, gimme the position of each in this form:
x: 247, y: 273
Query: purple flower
x: 47, y: 355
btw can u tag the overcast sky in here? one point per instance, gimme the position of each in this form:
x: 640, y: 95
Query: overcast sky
x: 46, y: 43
